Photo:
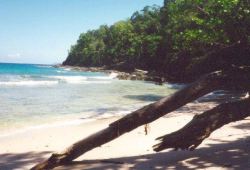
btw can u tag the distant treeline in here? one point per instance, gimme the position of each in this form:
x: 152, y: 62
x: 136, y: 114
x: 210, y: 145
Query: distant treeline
x: 181, y: 40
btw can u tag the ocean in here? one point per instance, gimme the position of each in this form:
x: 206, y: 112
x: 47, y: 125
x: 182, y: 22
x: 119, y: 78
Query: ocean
x: 38, y: 96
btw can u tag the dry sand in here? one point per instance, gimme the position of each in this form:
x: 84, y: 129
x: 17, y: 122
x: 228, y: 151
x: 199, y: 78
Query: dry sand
x: 226, y: 148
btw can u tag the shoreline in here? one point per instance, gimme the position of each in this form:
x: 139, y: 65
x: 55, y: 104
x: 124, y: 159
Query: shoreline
x: 196, y: 107
x: 192, y: 108
x: 70, y: 121
x: 57, y: 124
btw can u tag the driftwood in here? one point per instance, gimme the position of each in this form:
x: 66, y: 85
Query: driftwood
x: 191, y: 135
x: 231, y: 79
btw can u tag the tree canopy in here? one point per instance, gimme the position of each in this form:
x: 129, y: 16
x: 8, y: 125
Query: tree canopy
x: 164, y: 39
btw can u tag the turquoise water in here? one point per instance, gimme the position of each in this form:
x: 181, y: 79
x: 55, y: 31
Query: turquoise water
x: 40, y: 95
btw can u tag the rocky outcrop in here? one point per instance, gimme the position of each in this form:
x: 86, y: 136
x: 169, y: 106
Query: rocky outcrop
x: 137, y: 74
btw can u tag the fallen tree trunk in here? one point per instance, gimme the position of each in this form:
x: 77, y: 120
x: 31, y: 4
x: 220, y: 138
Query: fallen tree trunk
x: 235, y: 78
x: 201, y: 126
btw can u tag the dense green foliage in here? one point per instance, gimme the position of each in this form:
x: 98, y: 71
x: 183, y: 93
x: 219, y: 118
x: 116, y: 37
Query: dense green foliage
x: 174, y: 40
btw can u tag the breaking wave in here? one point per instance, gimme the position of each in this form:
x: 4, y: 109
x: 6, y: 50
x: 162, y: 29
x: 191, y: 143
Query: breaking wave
x: 28, y: 83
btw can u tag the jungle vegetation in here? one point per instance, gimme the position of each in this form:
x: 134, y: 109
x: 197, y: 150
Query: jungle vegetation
x: 181, y: 40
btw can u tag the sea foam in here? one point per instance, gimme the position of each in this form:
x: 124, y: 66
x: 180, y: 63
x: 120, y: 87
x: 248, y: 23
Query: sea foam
x: 83, y: 79
x: 70, y: 79
x: 110, y: 77
x: 28, y: 83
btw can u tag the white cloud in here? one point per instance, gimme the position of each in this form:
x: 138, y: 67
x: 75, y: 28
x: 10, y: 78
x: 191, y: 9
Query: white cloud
x: 14, y: 56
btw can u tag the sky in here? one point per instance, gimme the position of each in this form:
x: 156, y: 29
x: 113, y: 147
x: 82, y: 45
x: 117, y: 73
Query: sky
x: 42, y: 31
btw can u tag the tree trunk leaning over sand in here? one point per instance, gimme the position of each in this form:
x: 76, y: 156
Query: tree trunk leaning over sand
x: 201, y: 126
x: 236, y: 78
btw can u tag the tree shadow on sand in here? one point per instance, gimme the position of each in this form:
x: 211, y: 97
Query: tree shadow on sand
x: 11, y: 161
x: 225, y: 154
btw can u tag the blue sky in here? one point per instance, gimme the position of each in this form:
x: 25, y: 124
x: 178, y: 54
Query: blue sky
x: 42, y: 31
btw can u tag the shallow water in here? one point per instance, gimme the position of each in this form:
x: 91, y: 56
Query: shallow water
x: 39, y: 95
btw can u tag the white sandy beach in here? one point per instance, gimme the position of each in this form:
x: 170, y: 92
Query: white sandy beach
x: 226, y: 148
